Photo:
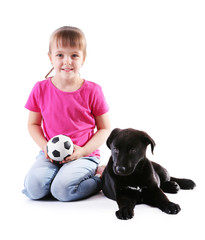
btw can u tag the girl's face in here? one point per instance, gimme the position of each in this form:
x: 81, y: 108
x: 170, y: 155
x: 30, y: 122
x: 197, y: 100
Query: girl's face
x: 66, y: 61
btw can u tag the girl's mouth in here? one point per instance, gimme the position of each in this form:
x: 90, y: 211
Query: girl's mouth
x: 67, y: 69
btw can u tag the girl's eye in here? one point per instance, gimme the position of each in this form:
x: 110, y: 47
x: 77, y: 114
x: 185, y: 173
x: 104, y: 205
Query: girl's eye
x: 59, y: 55
x: 74, y: 55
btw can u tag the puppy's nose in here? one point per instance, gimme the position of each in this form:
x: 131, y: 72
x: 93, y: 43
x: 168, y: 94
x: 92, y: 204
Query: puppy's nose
x: 120, y: 170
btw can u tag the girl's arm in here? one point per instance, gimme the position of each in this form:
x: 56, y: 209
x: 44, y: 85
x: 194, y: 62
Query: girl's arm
x: 103, y: 131
x: 35, y: 130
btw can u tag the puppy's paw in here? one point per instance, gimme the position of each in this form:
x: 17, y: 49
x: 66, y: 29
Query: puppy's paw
x: 187, y: 184
x: 125, y: 213
x: 170, y: 187
x: 170, y: 208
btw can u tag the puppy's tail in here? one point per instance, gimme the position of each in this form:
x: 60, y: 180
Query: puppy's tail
x: 184, y: 183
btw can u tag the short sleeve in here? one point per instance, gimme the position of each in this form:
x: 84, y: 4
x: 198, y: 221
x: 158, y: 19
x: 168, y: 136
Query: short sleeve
x: 99, y: 104
x: 32, y: 103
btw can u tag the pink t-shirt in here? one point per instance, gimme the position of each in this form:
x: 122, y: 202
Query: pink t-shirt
x: 69, y: 113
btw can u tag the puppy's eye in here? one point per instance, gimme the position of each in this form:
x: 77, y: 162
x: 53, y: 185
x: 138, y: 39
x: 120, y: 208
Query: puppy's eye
x: 132, y: 150
x: 115, y: 150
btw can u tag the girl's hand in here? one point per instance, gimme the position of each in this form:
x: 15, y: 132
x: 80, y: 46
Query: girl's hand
x: 77, y: 153
x: 46, y: 153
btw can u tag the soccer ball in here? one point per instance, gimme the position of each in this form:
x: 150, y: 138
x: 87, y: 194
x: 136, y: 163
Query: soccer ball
x: 59, y: 147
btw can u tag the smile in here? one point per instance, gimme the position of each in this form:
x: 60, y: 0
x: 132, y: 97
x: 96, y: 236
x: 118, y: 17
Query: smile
x: 67, y: 69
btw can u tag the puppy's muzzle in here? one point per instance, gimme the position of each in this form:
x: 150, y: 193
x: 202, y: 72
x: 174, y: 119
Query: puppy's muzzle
x: 120, y: 170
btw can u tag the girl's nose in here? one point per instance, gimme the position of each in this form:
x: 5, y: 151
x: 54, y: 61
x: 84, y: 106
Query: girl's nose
x: 67, y: 61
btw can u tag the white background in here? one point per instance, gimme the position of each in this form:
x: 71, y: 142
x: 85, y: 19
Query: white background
x: 149, y: 57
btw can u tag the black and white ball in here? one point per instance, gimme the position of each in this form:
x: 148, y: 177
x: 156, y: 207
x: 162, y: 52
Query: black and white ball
x: 59, y: 147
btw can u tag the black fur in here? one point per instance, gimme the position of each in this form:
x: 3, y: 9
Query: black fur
x: 130, y: 178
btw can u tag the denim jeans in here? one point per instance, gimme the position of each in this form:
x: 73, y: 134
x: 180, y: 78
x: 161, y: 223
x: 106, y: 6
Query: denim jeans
x: 68, y: 182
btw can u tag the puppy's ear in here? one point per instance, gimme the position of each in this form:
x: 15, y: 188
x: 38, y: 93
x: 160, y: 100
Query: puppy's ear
x: 149, y: 140
x: 112, y: 136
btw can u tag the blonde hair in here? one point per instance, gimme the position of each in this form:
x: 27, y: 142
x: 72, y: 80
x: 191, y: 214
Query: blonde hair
x: 68, y: 36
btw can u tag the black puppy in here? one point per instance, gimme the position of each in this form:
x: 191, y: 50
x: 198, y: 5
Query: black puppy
x: 130, y: 178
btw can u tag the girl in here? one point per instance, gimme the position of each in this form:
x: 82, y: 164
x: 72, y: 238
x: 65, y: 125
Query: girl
x: 67, y: 104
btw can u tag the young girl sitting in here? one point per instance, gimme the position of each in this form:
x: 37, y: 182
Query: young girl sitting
x: 67, y: 104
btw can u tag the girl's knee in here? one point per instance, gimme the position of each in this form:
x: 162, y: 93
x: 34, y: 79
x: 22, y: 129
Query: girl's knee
x: 75, y: 191
x: 61, y: 191
x: 38, y: 180
x: 35, y: 187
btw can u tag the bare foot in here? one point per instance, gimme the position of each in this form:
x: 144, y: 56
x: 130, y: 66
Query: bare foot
x: 100, y: 171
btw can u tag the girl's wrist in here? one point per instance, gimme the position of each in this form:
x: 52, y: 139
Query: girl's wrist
x: 85, y: 151
x: 43, y: 145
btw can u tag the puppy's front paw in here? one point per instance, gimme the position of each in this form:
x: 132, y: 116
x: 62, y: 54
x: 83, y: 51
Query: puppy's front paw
x: 170, y: 187
x: 125, y: 213
x: 170, y: 208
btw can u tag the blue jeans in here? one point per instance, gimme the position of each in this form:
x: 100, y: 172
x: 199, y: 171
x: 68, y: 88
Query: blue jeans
x: 68, y: 182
